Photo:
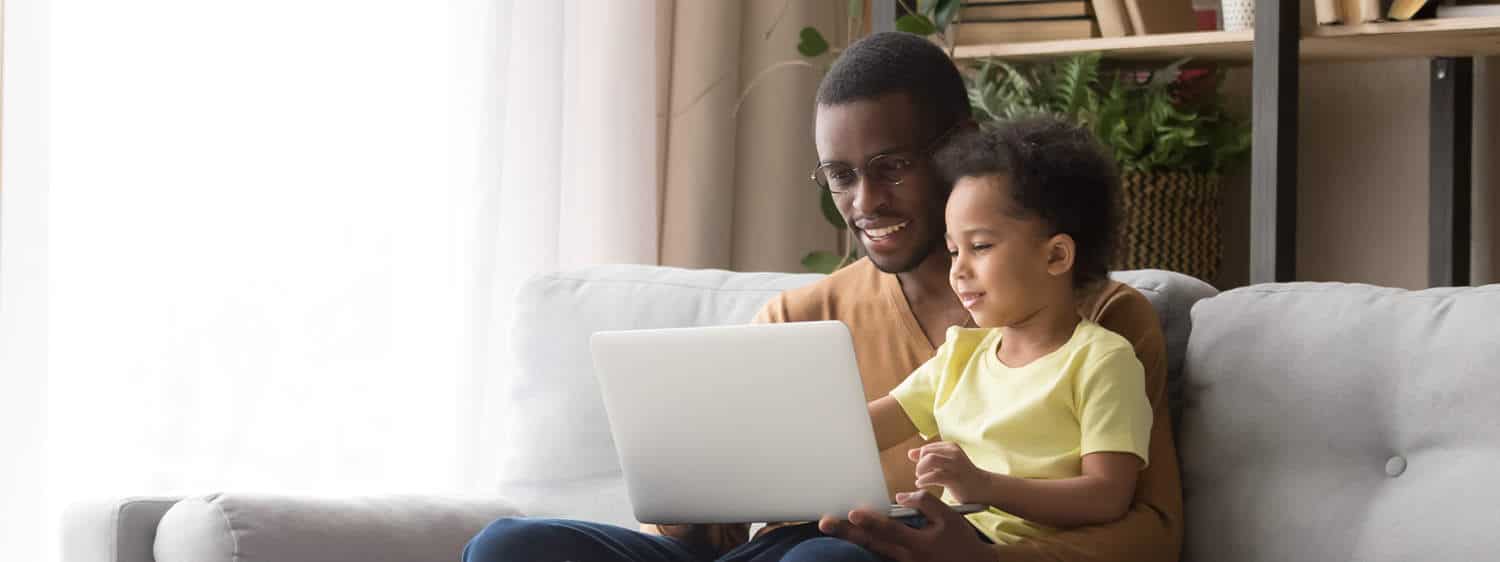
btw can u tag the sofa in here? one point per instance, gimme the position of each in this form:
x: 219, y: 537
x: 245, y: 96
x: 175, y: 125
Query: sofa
x: 1315, y: 422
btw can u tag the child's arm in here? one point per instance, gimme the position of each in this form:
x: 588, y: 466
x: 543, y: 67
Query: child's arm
x: 1101, y: 495
x: 892, y: 427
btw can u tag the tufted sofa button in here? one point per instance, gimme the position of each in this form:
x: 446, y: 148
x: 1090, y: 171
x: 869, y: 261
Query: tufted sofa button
x: 1395, y: 466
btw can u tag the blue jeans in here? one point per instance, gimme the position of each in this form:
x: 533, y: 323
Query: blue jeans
x: 559, y: 540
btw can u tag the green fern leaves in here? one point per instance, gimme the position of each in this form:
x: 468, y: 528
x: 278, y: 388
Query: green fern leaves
x: 1171, y: 120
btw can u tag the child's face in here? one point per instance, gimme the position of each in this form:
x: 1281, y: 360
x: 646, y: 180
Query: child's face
x: 1004, y: 267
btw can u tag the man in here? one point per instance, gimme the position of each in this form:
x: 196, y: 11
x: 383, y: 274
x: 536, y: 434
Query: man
x: 892, y: 96
x: 882, y: 108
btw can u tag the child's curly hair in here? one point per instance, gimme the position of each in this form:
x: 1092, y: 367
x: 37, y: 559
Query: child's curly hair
x: 1058, y: 172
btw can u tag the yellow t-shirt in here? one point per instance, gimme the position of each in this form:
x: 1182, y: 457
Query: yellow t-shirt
x: 1035, y: 421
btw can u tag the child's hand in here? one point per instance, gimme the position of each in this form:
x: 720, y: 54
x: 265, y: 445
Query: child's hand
x: 944, y: 464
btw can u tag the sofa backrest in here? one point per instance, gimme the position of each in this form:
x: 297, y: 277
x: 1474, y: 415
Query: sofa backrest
x: 1343, y: 422
x: 558, y: 457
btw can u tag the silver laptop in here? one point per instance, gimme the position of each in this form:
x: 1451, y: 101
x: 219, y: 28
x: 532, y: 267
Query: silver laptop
x: 736, y: 424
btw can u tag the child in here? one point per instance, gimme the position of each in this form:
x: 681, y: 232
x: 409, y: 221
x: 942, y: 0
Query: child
x: 1042, y: 415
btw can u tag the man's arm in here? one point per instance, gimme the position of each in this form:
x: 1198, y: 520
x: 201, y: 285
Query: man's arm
x: 1152, y: 530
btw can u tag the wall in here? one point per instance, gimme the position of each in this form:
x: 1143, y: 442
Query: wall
x: 1362, y: 175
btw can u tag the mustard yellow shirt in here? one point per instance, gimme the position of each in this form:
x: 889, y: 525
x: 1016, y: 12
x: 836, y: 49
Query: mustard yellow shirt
x: 1033, y: 421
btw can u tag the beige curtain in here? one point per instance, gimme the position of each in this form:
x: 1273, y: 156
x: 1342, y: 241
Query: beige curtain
x: 735, y: 193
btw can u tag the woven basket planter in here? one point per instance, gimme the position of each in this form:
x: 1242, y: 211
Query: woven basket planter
x: 1171, y: 221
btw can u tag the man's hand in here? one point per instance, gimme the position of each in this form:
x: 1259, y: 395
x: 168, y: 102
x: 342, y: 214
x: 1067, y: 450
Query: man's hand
x: 944, y: 464
x: 947, y: 537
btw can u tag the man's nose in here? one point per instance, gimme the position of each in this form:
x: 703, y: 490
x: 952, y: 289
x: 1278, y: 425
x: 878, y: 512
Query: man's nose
x: 869, y: 195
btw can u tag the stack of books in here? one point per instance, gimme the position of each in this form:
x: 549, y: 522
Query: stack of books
x: 1020, y: 21
x: 1335, y: 12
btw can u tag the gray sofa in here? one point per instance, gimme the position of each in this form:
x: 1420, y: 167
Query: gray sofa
x: 1318, y: 422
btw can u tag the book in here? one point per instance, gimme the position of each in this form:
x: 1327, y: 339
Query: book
x: 1150, y: 17
x: 1471, y: 11
x: 1208, y: 19
x: 1006, y: 11
x: 1360, y: 11
x: 1405, y: 9
x: 983, y: 32
x: 1329, y: 12
x: 1113, y: 20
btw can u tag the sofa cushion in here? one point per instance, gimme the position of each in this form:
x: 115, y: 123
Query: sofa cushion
x: 559, y: 459
x: 1173, y: 296
x: 1342, y: 422
x: 261, y: 528
x: 113, y: 530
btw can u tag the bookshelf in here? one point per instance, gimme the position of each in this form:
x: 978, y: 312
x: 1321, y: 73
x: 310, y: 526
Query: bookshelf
x: 1276, y: 50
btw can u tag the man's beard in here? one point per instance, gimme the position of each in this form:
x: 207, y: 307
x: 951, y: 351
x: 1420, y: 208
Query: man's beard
x: 922, y: 252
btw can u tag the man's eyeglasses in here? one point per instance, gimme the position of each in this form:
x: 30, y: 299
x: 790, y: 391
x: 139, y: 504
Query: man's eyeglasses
x: 890, y: 168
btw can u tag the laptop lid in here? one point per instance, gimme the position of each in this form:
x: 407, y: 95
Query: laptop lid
x: 733, y: 424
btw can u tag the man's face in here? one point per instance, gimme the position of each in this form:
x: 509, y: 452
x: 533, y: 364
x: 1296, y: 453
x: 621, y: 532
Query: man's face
x: 899, y: 226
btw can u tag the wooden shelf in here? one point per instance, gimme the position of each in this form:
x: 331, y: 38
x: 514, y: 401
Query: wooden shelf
x: 1445, y: 37
x: 1222, y: 46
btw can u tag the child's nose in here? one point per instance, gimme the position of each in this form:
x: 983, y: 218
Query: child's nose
x: 960, y: 267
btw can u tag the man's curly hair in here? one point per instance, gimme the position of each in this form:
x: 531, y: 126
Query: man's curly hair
x: 891, y: 62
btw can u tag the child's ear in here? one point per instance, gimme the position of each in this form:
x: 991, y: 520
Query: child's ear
x: 1061, y: 250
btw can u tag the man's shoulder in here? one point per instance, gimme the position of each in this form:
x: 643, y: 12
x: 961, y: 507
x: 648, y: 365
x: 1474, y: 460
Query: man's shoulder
x: 830, y: 297
x: 1122, y: 309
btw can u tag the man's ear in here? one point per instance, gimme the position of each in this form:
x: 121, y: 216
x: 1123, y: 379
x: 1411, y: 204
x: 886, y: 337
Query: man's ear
x: 1061, y: 251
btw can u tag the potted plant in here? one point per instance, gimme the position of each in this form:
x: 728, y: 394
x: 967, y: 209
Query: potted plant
x: 1170, y: 135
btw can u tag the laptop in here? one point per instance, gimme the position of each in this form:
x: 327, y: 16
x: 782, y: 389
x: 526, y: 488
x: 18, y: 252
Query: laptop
x: 740, y: 424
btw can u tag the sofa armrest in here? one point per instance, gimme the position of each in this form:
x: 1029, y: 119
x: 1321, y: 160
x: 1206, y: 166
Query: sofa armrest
x: 113, y: 530
x: 262, y: 528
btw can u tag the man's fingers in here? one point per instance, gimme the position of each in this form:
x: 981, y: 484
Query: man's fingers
x: 845, y: 530
x: 932, y: 508
x: 830, y: 525
x: 914, y: 454
x: 882, y: 528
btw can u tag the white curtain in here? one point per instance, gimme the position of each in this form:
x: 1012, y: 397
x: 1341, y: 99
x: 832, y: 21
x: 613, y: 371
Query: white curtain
x: 272, y: 247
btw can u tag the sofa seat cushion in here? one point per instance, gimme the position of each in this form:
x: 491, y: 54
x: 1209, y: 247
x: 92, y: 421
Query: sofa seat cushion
x: 1343, y: 422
